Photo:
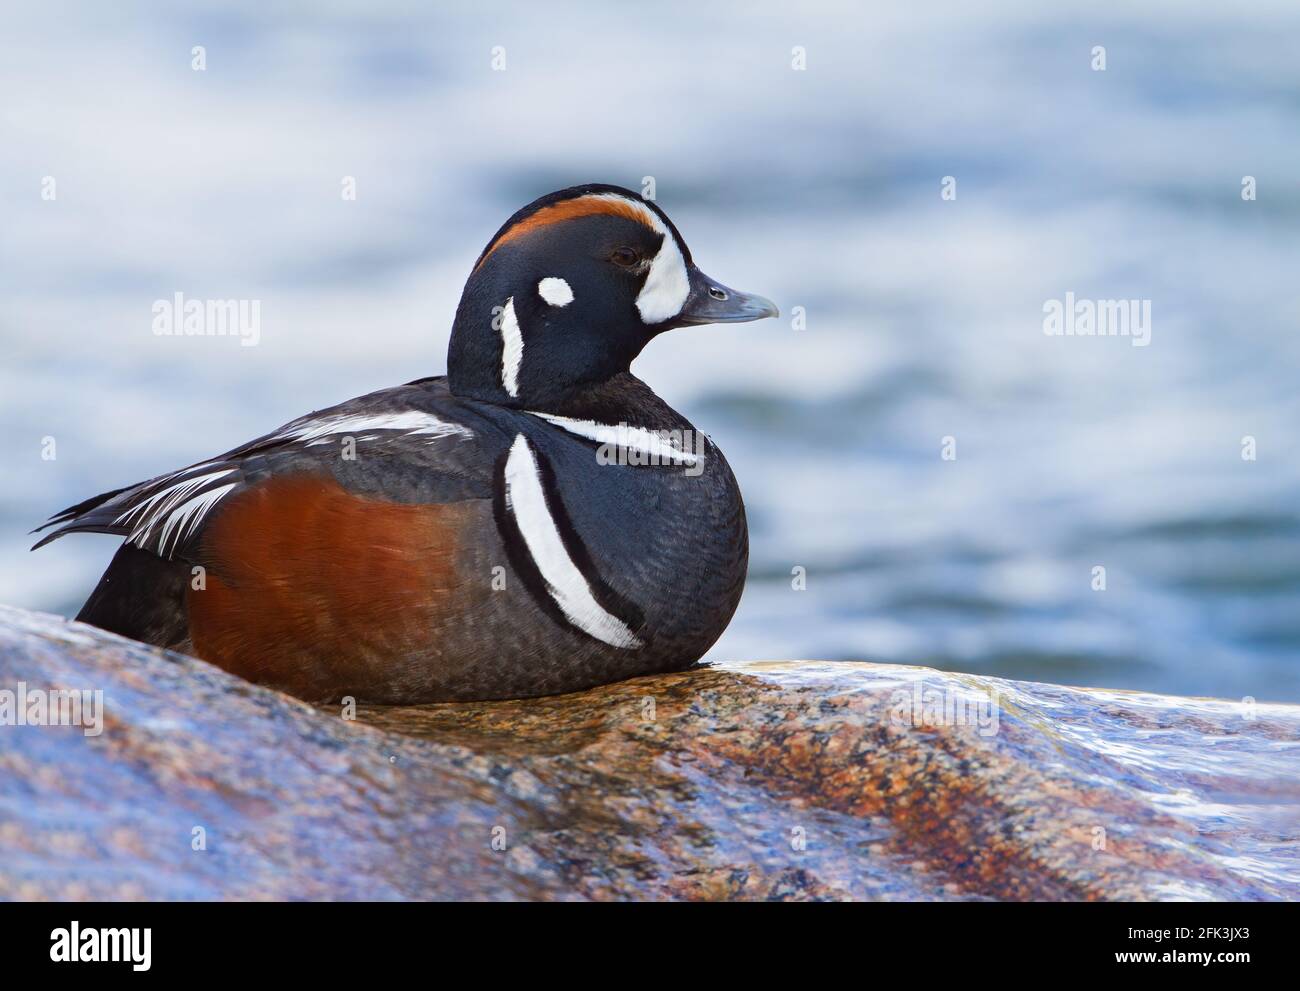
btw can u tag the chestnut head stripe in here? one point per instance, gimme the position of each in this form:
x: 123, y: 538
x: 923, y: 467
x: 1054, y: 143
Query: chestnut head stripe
x: 580, y: 206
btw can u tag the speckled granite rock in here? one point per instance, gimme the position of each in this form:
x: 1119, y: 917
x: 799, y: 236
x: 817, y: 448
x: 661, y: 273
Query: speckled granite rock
x: 758, y: 781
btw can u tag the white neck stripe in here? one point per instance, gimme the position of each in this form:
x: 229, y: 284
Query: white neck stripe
x: 512, y: 348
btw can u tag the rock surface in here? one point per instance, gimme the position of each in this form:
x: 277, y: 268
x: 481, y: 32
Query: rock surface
x: 789, y: 780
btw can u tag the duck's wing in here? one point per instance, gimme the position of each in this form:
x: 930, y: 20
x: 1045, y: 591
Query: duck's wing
x: 359, y: 443
x: 402, y: 447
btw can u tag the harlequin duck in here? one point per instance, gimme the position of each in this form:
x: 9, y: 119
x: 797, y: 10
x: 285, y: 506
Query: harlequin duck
x: 536, y: 521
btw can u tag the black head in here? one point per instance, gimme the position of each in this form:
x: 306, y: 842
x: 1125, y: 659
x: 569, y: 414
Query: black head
x: 570, y: 290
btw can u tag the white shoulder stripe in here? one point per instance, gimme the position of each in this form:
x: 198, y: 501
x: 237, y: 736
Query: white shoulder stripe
x: 527, y: 503
x: 655, y: 443
x: 512, y: 348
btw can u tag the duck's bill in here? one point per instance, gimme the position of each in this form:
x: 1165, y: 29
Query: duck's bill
x: 712, y: 302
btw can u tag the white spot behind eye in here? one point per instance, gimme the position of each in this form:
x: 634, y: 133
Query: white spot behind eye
x: 555, y: 291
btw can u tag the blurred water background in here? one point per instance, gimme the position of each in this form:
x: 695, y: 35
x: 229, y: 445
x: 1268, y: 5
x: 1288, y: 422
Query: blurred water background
x: 819, y: 188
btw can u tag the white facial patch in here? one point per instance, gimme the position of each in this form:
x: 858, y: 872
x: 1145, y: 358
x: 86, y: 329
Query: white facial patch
x: 667, y: 285
x: 526, y: 501
x: 512, y: 348
x: 555, y: 291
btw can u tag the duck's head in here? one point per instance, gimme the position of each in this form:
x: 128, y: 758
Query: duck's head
x: 570, y: 290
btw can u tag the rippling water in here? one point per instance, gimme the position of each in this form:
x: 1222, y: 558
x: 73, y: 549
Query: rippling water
x: 819, y: 188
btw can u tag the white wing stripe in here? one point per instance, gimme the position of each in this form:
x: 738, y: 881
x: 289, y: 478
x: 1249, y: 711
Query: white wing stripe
x: 174, y: 507
x: 159, y: 502
x: 313, y: 432
x: 178, y: 507
x: 187, y: 516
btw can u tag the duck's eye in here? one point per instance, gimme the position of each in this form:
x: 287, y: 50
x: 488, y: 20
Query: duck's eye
x: 625, y: 257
